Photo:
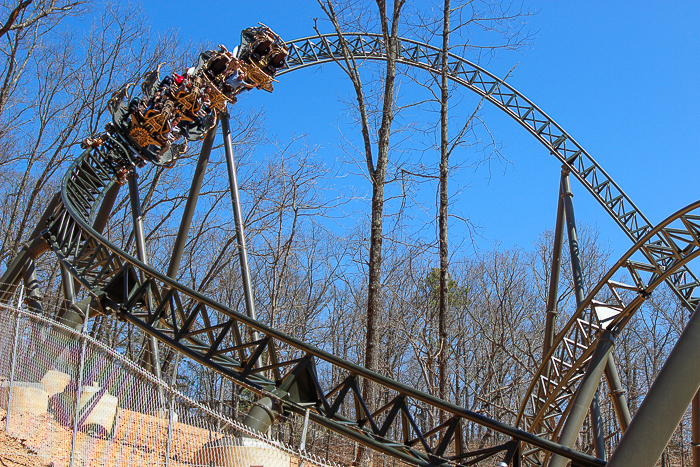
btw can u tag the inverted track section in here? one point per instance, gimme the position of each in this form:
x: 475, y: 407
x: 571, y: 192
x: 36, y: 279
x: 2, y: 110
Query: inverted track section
x: 324, y: 48
x: 275, y: 365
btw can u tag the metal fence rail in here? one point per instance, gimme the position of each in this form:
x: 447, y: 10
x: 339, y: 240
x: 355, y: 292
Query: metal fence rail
x: 125, y: 416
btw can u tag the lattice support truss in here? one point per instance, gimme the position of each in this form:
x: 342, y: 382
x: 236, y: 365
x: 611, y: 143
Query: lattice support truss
x: 274, y: 364
x: 327, y: 48
x: 661, y: 254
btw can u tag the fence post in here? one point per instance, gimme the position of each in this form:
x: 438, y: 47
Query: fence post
x: 13, y: 361
x: 302, y: 443
x: 79, y: 389
x: 171, y: 413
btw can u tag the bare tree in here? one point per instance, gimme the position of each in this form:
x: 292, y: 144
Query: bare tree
x: 377, y: 170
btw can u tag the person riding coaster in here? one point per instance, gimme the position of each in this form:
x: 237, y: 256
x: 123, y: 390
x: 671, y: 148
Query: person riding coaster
x: 262, y: 53
x: 187, y: 105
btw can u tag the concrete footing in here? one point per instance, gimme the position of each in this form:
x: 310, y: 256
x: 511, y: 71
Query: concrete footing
x: 26, y: 397
x: 243, y: 452
x: 55, y: 382
x: 97, y: 409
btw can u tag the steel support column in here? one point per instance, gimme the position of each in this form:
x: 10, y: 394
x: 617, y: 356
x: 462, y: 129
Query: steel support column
x: 187, y: 216
x: 553, y: 293
x: 612, y: 377
x: 695, y: 438
x: 31, y: 250
x: 617, y: 394
x: 238, y: 217
x: 585, y: 396
x: 137, y: 216
x: 596, y: 423
x: 68, y: 286
x: 33, y: 296
x: 105, y: 209
x: 665, y: 403
x: 577, y: 273
x: 188, y: 213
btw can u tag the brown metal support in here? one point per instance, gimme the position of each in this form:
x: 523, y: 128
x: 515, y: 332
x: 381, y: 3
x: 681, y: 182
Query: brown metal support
x: 33, y: 297
x: 553, y: 293
x: 617, y: 394
x: 30, y: 251
x: 695, y: 438
x: 105, y: 210
x: 577, y: 273
x: 151, y: 359
x: 597, y: 425
x: 238, y: 218
x: 664, y: 405
x: 584, y: 396
x: 186, y: 221
x: 193, y: 196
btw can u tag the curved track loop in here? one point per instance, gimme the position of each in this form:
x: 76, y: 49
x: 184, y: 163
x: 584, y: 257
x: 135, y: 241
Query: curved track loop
x: 285, y: 368
x: 327, y: 48
x: 608, y: 307
x: 219, y: 338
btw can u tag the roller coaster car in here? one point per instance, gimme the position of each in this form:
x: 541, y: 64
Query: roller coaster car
x: 187, y: 106
x: 214, y: 70
x: 152, y: 126
x: 262, y: 54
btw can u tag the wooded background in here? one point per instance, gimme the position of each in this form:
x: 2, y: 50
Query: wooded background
x: 371, y: 275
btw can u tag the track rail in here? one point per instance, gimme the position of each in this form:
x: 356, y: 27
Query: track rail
x: 325, y: 48
x: 665, y: 249
x: 285, y: 369
x: 218, y: 337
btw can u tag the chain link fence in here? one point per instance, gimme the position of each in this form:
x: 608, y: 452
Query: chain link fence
x: 75, y: 402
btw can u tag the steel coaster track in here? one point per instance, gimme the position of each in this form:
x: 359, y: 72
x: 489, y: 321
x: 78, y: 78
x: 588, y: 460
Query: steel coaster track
x: 546, y: 406
x: 605, y: 309
x: 325, y: 48
x: 219, y: 338
x: 284, y: 368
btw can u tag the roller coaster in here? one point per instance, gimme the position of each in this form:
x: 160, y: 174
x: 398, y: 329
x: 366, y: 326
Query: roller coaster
x: 189, y: 107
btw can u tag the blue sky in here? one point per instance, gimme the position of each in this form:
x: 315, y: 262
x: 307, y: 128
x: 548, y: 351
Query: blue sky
x: 619, y: 77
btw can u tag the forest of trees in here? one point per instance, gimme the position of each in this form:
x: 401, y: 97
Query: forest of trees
x: 378, y: 290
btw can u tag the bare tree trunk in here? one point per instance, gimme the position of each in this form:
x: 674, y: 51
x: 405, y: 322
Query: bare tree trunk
x: 377, y: 172
x: 444, y: 353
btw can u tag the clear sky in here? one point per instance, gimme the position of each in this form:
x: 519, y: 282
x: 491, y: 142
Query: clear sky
x: 619, y: 77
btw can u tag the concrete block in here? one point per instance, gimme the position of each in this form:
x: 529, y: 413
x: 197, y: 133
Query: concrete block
x: 26, y: 397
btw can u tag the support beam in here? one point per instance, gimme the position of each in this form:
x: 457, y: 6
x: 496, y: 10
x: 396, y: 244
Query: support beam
x: 151, y: 359
x: 30, y: 251
x: 617, y: 394
x: 579, y: 292
x: 665, y: 403
x: 596, y: 424
x: 584, y: 396
x: 553, y: 291
x: 105, y: 210
x: 33, y: 296
x: 238, y: 217
x: 695, y: 439
x: 190, y: 206
x: 555, y: 268
x: 137, y: 217
x: 187, y: 216
x: 576, y: 268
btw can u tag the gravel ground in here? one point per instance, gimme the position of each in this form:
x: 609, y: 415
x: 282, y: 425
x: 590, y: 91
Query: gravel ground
x: 139, y: 439
x: 15, y: 452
